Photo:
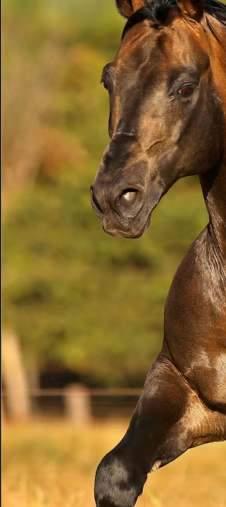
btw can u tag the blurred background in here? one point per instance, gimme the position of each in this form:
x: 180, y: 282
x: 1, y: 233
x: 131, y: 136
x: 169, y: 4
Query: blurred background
x: 83, y: 312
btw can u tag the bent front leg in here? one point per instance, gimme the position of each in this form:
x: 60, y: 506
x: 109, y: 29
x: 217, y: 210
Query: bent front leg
x: 149, y: 439
x: 168, y: 420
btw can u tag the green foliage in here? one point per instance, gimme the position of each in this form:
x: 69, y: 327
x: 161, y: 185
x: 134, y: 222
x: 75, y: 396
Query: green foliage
x: 89, y: 301
x: 76, y: 296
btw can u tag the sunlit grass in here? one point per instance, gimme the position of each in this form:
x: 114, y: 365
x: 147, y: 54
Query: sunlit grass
x: 53, y: 465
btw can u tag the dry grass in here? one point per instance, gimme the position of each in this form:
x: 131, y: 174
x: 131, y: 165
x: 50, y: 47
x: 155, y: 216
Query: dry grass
x: 53, y: 464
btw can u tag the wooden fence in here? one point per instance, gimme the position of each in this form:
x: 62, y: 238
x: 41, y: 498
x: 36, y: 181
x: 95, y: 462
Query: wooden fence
x: 77, y: 403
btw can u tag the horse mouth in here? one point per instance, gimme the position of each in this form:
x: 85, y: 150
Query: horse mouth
x: 128, y: 233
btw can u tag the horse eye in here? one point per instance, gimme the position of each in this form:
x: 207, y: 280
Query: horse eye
x: 105, y: 82
x: 106, y: 78
x: 186, y: 90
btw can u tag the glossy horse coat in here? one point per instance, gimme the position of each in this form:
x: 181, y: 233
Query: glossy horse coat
x: 167, y: 88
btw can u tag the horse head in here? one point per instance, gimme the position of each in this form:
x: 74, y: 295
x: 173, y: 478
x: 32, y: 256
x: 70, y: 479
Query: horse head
x: 166, y: 119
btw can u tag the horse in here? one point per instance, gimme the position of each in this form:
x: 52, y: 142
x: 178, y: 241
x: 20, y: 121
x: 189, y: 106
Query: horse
x: 167, y: 90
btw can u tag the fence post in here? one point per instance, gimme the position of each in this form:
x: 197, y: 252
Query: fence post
x: 17, y: 404
x: 77, y: 404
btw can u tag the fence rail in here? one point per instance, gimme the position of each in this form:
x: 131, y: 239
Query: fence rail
x: 86, y: 392
x: 79, y: 403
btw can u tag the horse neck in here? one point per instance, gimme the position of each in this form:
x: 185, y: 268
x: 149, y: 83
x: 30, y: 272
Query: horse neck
x: 214, y: 182
x: 214, y: 191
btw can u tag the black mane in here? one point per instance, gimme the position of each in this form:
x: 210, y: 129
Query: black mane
x: 157, y: 11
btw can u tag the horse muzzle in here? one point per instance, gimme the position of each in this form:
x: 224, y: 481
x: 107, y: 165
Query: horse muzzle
x: 122, y: 216
x: 126, y: 211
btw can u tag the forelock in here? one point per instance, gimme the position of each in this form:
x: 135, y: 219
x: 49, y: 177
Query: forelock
x: 156, y: 11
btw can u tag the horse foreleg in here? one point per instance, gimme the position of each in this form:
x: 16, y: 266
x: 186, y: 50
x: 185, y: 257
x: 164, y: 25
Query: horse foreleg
x: 168, y: 420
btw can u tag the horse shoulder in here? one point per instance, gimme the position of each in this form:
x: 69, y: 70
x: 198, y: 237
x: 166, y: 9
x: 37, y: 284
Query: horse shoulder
x: 195, y: 321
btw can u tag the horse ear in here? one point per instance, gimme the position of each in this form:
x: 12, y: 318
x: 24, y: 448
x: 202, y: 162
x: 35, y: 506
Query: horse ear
x: 128, y: 7
x: 191, y: 8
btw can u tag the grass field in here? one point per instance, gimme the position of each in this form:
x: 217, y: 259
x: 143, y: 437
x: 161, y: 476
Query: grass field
x: 50, y: 464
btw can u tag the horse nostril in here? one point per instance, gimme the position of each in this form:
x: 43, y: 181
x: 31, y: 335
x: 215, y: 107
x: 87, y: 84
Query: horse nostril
x: 129, y: 196
x: 95, y: 201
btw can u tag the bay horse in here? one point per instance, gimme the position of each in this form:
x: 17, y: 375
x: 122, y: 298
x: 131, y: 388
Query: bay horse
x: 167, y: 88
